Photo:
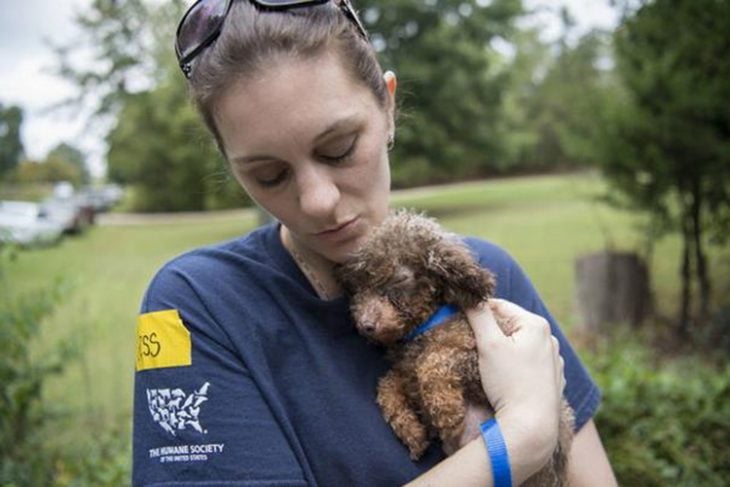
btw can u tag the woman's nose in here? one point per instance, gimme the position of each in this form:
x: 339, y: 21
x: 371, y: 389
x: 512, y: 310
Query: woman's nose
x: 318, y: 192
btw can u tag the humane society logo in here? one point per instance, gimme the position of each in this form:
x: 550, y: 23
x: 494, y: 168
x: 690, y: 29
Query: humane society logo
x: 176, y: 411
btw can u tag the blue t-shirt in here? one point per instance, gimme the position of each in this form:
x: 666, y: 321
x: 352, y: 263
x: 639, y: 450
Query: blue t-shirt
x: 246, y: 378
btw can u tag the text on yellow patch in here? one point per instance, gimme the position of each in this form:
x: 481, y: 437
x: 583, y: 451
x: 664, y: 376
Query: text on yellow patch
x: 162, y: 341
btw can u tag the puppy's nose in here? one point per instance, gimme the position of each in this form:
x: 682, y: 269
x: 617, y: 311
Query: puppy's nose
x: 367, y: 328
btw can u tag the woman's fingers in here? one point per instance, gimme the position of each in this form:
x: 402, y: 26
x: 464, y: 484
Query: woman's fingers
x: 484, y: 324
x: 522, y: 369
x: 512, y: 317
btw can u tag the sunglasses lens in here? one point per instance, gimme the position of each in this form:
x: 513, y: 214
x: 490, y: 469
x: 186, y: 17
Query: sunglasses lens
x: 202, y: 24
x: 287, y: 3
x: 201, y: 21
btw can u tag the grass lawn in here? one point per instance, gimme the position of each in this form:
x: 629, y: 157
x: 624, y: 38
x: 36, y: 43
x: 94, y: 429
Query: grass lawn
x: 106, y: 272
x: 545, y: 222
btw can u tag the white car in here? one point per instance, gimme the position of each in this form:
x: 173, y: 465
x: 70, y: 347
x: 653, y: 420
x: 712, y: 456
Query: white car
x: 23, y: 223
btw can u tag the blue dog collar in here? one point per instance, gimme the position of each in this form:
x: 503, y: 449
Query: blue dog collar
x: 440, y: 315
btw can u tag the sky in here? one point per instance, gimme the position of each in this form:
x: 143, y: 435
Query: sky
x: 26, y: 80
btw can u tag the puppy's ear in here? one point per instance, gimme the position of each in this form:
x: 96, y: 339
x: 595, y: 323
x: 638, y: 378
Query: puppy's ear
x: 462, y: 280
x: 346, y: 276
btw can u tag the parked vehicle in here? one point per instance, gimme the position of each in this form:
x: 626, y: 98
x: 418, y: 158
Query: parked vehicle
x: 24, y: 223
x: 63, y: 190
x: 102, y: 198
x: 74, y: 214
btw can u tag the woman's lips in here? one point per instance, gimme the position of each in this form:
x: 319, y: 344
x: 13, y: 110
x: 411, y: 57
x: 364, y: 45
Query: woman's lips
x: 340, y: 232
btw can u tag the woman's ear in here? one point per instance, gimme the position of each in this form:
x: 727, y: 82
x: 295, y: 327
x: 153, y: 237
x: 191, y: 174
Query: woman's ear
x: 391, y: 83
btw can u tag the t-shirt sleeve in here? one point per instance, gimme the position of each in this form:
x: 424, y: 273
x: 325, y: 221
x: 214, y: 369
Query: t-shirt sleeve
x: 581, y: 391
x: 199, y: 417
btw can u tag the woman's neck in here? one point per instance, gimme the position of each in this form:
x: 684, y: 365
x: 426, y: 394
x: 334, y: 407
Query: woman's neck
x: 316, y: 268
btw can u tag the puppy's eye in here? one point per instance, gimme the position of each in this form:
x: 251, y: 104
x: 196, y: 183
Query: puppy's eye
x: 403, y: 279
x: 399, y: 280
x: 396, y: 298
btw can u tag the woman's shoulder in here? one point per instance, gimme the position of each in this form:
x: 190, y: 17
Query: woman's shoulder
x: 243, y: 259
x: 512, y: 281
x: 490, y: 254
x: 254, y: 245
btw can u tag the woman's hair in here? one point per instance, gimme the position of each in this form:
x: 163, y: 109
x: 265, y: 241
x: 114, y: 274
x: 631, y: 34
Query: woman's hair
x: 252, y: 40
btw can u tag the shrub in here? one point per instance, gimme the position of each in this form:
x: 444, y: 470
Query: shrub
x: 23, y: 458
x: 103, y: 462
x: 663, y: 422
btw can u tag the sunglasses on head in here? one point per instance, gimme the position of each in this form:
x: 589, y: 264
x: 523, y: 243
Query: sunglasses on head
x: 203, y: 22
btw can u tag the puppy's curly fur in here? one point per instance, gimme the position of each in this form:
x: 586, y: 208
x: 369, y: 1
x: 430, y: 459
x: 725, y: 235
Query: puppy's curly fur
x: 407, y: 269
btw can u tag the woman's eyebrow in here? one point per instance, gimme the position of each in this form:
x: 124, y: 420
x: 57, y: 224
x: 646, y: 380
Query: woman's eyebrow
x: 251, y: 158
x: 342, y: 124
x: 339, y: 125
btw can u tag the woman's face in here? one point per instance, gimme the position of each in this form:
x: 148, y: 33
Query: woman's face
x: 310, y: 146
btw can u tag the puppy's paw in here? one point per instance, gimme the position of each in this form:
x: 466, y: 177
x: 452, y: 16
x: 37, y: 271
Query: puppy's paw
x: 414, y: 435
x: 417, y: 449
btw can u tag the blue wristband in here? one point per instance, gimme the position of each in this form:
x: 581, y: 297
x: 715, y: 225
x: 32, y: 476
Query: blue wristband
x: 497, y: 449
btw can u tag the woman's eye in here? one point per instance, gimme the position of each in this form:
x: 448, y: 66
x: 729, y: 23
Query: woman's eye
x: 340, y: 150
x: 271, y: 178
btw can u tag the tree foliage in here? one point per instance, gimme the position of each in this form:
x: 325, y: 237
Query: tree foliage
x: 11, y: 146
x: 52, y: 170
x: 555, y: 96
x: 666, y: 143
x: 117, y: 51
x: 160, y: 146
x: 66, y: 154
x: 157, y: 144
x: 450, y: 92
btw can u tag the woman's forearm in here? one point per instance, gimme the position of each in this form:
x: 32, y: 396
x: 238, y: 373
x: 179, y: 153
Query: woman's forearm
x: 467, y: 467
x: 588, y: 464
x: 528, y: 450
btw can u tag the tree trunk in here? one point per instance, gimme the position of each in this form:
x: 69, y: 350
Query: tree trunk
x: 700, y: 258
x: 611, y: 287
x: 686, y: 276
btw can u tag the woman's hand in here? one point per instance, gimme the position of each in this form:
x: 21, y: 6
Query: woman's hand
x: 522, y: 375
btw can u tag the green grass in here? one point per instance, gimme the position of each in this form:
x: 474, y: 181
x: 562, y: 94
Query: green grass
x: 545, y: 222
x: 105, y: 272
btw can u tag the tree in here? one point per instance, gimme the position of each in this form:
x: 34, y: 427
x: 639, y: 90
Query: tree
x: 73, y: 156
x: 555, y: 94
x: 124, y: 40
x: 157, y: 143
x: 11, y: 147
x: 666, y: 146
x: 160, y: 146
x: 566, y: 104
x: 51, y: 170
x: 441, y: 51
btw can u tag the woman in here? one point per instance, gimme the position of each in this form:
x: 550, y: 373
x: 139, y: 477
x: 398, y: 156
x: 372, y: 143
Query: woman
x: 249, y: 371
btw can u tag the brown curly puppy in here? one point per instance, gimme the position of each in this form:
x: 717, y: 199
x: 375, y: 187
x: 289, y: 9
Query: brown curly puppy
x: 407, y: 270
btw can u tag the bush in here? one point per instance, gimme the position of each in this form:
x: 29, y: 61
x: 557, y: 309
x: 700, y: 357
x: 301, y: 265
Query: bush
x: 27, y: 457
x: 104, y: 462
x: 663, y: 421
x: 23, y: 458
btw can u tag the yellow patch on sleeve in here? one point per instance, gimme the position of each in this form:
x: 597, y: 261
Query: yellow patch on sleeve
x: 162, y: 341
